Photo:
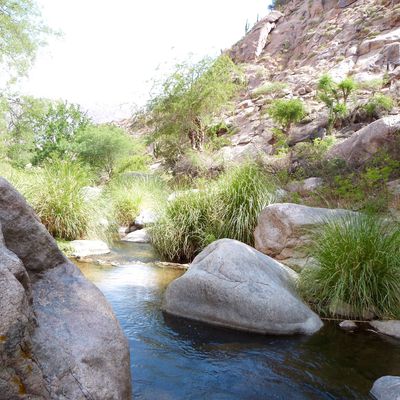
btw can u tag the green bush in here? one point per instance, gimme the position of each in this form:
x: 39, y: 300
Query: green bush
x: 55, y: 193
x: 270, y: 88
x: 187, y: 100
x: 358, y: 265
x: 335, y: 96
x: 378, y: 104
x: 287, y: 112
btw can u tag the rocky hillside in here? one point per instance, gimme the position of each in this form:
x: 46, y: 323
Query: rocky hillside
x: 286, y: 52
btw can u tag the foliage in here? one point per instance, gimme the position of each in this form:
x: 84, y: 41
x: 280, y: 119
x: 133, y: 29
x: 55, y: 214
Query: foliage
x: 126, y: 202
x: 217, y: 136
x: 335, y: 96
x: 103, y: 147
x: 55, y: 193
x: 287, y: 112
x: 270, y: 88
x: 189, y: 223
x: 187, y: 99
x: 229, y: 207
x: 243, y: 193
x: 125, y: 196
x: 358, y: 265
x: 23, y: 115
x: 56, y: 129
x: 22, y: 32
x: 377, y: 105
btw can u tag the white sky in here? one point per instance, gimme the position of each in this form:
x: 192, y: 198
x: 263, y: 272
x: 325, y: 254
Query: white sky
x: 110, y: 50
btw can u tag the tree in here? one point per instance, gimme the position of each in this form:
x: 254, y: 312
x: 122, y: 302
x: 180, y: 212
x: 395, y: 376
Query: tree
x: 103, y: 146
x: 22, y: 32
x: 287, y: 112
x: 56, y: 129
x: 188, y: 99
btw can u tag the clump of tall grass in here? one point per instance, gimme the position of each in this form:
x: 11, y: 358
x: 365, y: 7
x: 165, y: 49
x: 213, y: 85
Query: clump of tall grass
x: 358, y: 266
x: 55, y: 193
x: 228, y: 207
x: 188, y: 224
x: 243, y: 193
x: 128, y: 194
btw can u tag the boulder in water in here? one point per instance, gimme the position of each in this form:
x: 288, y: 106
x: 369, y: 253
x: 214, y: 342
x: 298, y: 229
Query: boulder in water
x: 233, y: 285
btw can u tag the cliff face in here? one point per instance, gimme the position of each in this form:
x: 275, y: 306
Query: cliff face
x: 298, y: 44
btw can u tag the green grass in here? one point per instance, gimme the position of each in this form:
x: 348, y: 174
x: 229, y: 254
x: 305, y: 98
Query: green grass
x: 359, y: 265
x: 127, y: 195
x: 275, y: 88
x: 228, y: 207
x: 243, y: 192
x: 55, y: 193
x: 188, y: 224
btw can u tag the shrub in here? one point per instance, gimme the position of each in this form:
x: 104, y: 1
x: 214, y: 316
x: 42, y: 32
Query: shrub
x: 56, y: 196
x: 378, y: 104
x: 187, y: 100
x: 270, y: 88
x: 335, y: 96
x: 358, y: 265
x: 287, y: 112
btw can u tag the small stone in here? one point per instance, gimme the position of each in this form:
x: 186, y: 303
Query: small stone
x: 348, y: 325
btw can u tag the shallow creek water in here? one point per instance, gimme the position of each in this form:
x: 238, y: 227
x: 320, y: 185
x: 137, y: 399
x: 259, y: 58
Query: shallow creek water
x: 176, y: 359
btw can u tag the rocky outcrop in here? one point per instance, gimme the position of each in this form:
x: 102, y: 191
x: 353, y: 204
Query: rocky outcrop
x: 252, y: 45
x: 59, y: 338
x: 390, y: 328
x: 386, y: 388
x: 233, y: 285
x: 365, y: 143
x: 283, y: 230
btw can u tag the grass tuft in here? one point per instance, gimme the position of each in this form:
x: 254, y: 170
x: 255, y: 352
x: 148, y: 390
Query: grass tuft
x: 359, y: 266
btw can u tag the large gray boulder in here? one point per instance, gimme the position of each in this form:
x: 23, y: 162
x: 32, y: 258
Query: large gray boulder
x: 283, y: 230
x: 233, y: 285
x: 59, y: 338
x: 366, y: 142
x: 386, y: 388
x: 390, y: 327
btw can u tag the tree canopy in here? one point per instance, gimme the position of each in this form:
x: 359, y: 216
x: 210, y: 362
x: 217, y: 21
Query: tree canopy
x: 22, y: 32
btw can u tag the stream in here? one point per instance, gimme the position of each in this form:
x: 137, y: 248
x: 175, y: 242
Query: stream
x: 177, y: 359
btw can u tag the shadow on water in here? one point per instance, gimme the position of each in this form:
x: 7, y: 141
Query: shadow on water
x: 174, y: 358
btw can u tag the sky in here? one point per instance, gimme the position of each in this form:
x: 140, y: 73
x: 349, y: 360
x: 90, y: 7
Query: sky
x: 111, y: 51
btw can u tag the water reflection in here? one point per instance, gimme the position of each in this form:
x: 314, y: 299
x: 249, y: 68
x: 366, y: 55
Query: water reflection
x: 174, y: 358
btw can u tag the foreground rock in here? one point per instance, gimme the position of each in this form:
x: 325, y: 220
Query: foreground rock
x: 283, y: 230
x: 362, y: 145
x: 233, y: 285
x: 87, y: 248
x: 386, y: 388
x: 390, y: 328
x: 59, y: 338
